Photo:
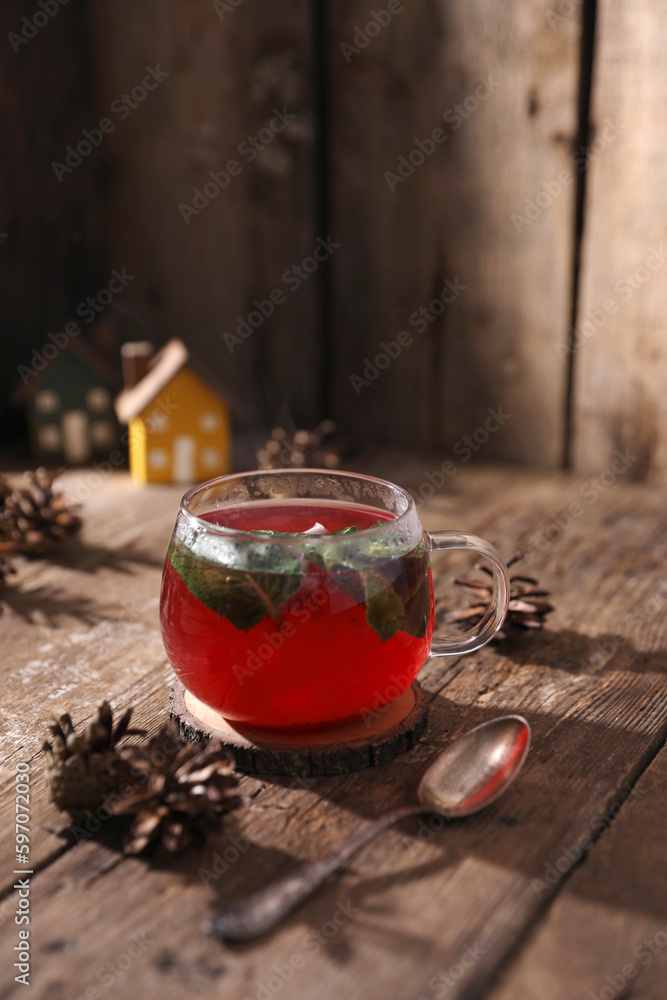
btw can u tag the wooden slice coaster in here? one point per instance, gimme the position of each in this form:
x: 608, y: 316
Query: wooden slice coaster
x: 350, y: 747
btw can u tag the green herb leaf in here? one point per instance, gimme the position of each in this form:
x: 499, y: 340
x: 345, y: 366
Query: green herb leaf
x: 339, y: 563
x: 384, y: 608
x: 242, y: 597
x: 417, y: 610
x: 408, y: 577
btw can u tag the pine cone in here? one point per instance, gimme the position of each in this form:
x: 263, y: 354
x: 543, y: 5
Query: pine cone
x: 7, y: 546
x: 82, y: 768
x: 186, y: 788
x: 35, y: 518
x: 5, y: 490
x: 6, y: 568
x: 527, y: 607
x: 301, y: 449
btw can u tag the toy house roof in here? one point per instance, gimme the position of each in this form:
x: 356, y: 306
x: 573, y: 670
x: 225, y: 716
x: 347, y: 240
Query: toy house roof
x: 166, y: 363
x: 87, y: 354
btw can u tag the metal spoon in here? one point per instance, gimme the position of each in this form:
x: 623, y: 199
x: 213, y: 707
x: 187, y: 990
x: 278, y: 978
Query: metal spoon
x: 466, y: 776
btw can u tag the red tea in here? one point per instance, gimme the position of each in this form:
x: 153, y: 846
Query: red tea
x: 327, y: 626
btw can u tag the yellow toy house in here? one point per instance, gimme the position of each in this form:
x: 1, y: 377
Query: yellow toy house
x: 179, y: 427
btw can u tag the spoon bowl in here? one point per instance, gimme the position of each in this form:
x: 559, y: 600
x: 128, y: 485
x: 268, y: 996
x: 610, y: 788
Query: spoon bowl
x: 475, y: 769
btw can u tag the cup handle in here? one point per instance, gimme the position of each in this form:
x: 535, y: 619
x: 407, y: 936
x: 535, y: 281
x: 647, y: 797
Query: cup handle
x: 495, y: 613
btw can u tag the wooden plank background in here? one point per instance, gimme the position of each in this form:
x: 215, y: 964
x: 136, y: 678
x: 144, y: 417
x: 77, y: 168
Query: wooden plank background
x: 491, y: 209
x: 620, y: 362
x: 514, y: 150
x: 610, y: 917
x: 451, y: 218
x: 51, y: 234
x: 196, y: 278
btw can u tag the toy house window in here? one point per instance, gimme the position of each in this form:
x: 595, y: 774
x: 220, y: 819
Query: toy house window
x: 47, y: 401
x: 157, y: 421
x: 157, y: 458
x: 98, y: 399
x: 76, y: 436
x: 210, y: 457
x: 49, y: 437
x: 101, y: 433
x: 209, y: 421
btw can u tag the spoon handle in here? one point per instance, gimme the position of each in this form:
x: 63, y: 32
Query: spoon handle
x: 264, y: 909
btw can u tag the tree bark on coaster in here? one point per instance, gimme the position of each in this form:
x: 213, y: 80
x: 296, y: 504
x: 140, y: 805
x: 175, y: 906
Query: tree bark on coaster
x: 378, y: 738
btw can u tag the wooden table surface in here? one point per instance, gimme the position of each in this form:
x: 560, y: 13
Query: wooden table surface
x: 556, y: 892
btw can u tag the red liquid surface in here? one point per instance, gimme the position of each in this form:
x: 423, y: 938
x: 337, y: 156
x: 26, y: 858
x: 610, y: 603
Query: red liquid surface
x: 295, y: 517
x: 319, y: 663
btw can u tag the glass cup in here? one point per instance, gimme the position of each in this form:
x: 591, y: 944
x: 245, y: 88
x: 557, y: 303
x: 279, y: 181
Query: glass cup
x: 304, y: 598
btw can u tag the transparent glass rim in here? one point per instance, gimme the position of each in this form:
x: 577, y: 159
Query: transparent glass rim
x: 290, y: 539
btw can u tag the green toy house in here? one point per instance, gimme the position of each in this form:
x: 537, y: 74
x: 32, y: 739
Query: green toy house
x: 70, y: 407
